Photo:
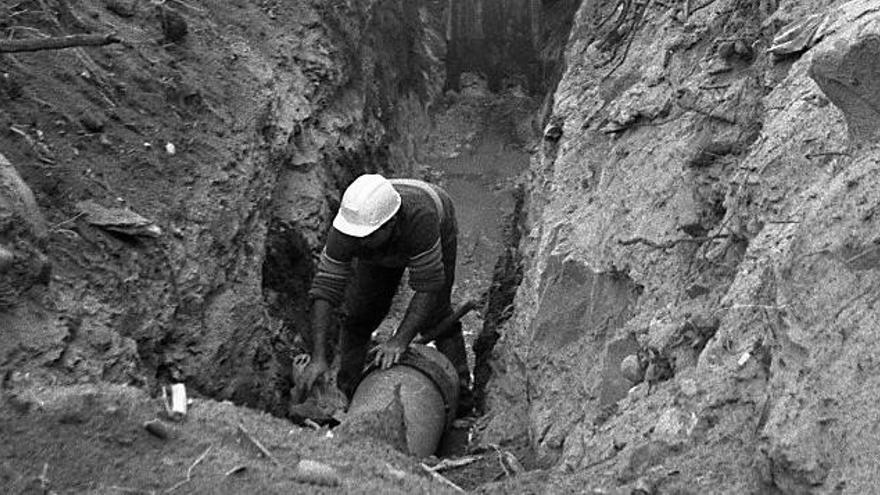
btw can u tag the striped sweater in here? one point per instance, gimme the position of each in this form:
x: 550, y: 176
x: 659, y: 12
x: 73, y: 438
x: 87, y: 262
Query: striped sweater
x: 417, y: 243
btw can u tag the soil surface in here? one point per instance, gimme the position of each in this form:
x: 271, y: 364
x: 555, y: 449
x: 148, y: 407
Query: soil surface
x: 92, y: 439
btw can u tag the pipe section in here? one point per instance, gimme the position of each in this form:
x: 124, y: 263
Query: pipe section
x: 428, y: 390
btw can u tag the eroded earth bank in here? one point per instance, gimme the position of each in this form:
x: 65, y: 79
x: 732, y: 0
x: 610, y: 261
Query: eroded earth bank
x: 691, y: 183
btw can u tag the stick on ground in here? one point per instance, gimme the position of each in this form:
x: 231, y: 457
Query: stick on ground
x: 256, y: 443
x: 189, y: 471
x: 56, y: 43
x: 442, y: 479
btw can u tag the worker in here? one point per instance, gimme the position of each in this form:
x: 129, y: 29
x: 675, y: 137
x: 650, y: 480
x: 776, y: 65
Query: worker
x: 384, y: 227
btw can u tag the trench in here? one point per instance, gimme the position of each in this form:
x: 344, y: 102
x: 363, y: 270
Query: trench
x: 501, y: 71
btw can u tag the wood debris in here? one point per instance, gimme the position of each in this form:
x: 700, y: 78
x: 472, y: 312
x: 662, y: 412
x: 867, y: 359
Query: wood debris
x: 256, y: 443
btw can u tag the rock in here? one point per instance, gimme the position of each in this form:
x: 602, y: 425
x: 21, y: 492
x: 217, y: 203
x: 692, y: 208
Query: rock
x: 6, y: 258
x: 632, y: 369
x: 726, y: 49
x: 17, y: 203
x: 688, y: 387
x: 122, y: 8
x: 743, y: 50
x: 615, y: 383
x: 847, y: 71
x: 174, y: 26
x: 121, y: 220
x: 22, y: 262
x: 799, y: 36
x: 92, y: 122
x: 552, y: 132
x: 10, y: 87
x: 643, y: 486
x: 159, y: 429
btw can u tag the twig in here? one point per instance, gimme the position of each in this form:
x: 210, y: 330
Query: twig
x: 125, y: 489
x: 861, y: 255
x: 442, y: 479
x: 826, y: 153
x: 501, y: 461
x: 669, y: 244
x: 778, y: 307
x: 26, y: 28
x: 454, y: 463
x: 44, y: 477
x: 69, y: 220
x: 236, y: 469
x: 263, y: 450
x: 56, y: 43
x: 715, y: 86
x: 189, y: 471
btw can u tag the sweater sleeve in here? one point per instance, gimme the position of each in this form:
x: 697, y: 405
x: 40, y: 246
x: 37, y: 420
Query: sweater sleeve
x: 334, y: 270
x: 426, y: 273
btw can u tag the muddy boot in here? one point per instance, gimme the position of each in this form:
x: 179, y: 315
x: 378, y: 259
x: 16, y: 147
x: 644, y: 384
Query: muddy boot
x: 453, y: 348
x: 465, y: 403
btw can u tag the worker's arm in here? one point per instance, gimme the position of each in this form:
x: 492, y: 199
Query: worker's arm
x: 321, y: 328
x: 326, y: 293
x: 420, y: 308
x: 427, y: 277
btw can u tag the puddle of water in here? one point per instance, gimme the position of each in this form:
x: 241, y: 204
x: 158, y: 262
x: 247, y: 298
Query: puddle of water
x: 479, y: 182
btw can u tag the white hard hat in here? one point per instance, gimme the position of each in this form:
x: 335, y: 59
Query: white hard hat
x: 368, y: 202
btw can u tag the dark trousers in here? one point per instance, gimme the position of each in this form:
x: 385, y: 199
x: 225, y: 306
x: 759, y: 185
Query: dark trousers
x: 368, y: 300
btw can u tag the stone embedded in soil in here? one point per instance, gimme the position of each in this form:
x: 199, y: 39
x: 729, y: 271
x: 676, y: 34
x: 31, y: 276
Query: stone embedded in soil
x: 631, y: 368
x: 122, y: 8
x: 848, y: 73
x: 615, y: 383
x: 159, y: 429
x: 174, y: 26
x: 92, y: 122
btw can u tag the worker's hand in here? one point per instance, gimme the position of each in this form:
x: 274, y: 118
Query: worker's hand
x: 316, y: 370
x: 388, y: 353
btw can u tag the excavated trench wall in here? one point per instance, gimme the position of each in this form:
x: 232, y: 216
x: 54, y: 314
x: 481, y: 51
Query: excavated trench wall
x: 714, y: 206
x: 272, y: 108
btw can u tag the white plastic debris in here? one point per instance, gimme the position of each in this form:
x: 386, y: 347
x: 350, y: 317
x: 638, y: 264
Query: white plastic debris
x: 744, y: 359
x: 170, y: 149
x: 178, y: 399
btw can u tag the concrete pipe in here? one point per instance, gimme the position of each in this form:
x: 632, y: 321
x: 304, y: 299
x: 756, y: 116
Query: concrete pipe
x: 428, y: 390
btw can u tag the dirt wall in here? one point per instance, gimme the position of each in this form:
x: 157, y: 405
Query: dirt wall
x: 710, y: 203
x: 233, y: 134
